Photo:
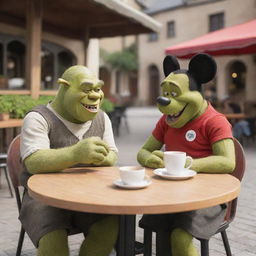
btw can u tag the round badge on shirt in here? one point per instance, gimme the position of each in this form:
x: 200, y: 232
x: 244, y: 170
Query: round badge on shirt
x: 190, y: 135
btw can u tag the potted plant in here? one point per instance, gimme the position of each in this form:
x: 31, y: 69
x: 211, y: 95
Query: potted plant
x: 6, y: 107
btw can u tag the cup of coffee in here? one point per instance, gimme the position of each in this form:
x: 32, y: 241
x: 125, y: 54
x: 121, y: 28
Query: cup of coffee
x: 175, y: 161
x: 132, y: 175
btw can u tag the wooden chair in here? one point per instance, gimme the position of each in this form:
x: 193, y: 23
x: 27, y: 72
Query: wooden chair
x: 15, y: 168
x: 162, y: 236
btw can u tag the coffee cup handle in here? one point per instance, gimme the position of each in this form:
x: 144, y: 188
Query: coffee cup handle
x: 191, y: 161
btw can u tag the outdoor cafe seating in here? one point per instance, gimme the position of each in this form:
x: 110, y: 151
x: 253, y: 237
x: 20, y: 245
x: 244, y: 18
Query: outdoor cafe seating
x: 162, y: 236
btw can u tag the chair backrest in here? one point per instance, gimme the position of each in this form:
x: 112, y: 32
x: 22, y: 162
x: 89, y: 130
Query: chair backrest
x: 238, y: 173
x: 14, y: 167
x: 13, y: 161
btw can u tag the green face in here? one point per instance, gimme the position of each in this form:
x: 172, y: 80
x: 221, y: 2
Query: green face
x: 184, y: 104
x: 83, y: 96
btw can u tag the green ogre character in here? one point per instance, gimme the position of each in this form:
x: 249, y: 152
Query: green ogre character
x: 70, y: 131
x: 189, y: 123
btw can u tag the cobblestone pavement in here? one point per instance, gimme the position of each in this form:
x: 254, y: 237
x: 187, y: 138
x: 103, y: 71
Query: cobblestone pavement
x: 241, y: 233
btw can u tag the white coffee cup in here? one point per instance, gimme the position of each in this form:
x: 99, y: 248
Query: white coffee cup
x: 132, y: 175
x: 175, y: 161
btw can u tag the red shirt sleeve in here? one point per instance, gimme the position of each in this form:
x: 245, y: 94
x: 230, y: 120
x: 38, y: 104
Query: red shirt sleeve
x: 218, y: 128
x: 160, y: 129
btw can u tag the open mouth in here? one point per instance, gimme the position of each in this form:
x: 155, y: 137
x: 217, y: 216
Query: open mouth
x: 173, y: 118
x: 91, y: 108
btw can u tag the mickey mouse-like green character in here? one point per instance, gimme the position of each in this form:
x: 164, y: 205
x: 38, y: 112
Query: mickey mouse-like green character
x: 190, y: 124
x: 69, y: 131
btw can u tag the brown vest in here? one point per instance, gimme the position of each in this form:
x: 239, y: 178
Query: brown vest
x: 60, y: 136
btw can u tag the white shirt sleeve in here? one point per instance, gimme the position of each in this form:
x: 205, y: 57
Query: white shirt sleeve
x: 34, y: 134
x: 108, y: 136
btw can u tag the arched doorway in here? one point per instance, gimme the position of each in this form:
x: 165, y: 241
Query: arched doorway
x: 65, y: 60
x: 105, y: 75
x: 47, y: 72
x: 15, y: 64
x: 154, y: 83
x: 133, y: 84
x: 237, y: 78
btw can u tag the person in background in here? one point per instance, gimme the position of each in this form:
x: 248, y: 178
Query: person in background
x: 240, y: 128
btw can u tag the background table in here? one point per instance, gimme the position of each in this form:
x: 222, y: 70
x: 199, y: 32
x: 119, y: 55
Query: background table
x: 235, y: 116
x: 92, y: 190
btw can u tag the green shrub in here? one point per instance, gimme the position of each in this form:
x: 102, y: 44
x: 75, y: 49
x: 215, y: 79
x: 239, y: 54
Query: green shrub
x: 6, y: 104
x: 19, y: 105
x: 107, y: 106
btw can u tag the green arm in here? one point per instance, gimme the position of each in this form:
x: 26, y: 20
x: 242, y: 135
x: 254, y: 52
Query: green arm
x: 92, y: 151
x: 150, y: 154
x: 222, y: 161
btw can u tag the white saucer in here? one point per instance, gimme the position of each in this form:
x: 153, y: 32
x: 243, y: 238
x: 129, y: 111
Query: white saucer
x: 185, y: 175
x: 142, y: 184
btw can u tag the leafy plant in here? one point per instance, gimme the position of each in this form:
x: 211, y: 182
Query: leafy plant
x: 6, y: 104
x: 107, y: 106
x: 18, y: 105
x: 125, y: 60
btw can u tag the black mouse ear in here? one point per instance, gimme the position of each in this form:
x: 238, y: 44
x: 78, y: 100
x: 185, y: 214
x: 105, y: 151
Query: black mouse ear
x: 202, y: 67
x: 170, y: 64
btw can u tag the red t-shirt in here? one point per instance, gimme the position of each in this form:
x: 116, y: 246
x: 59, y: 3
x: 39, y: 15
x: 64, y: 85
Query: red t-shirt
x: 197, y: 136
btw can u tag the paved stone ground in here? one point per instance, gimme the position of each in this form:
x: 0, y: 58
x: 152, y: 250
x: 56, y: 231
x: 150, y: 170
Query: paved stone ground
x: 241, y: 233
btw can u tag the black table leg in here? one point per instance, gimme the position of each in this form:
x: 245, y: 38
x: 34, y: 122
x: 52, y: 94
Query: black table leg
x: 126, y: 238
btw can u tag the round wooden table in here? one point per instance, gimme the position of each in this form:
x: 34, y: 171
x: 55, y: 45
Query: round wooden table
x: 92, y: 190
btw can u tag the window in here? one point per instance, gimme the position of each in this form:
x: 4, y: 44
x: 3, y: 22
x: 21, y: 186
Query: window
x: 152, y: 37
x: 216, y: 21
x: 170, y: 29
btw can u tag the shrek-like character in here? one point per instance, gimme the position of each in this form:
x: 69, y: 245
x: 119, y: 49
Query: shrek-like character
x: 190, y: 124
x: 70, y: 131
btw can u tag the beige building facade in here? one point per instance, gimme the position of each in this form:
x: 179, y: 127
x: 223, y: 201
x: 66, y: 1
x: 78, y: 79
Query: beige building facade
x: 188, y: 20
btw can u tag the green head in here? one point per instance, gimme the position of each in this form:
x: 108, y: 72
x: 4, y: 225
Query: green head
x: 79, y: 96
x: 181, y: 99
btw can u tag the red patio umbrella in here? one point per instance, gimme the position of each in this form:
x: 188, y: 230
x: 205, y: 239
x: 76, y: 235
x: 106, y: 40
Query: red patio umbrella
x: 235, y: 40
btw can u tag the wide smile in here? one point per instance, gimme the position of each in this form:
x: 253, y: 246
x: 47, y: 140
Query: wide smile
x: 173, y: 118
x: 91, y: 108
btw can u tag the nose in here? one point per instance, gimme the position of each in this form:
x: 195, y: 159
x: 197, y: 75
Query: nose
x: 93, y: 95
x: 163, y: 101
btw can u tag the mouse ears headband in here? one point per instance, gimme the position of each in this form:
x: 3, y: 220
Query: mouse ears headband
x: 201, y: 69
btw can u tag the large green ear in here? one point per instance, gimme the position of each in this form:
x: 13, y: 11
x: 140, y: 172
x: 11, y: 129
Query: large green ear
x: 202, y: 67
x: 170, y: 64
x: 63, y: 81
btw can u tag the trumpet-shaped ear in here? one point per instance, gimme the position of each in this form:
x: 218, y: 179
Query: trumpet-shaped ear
x: 170, y: 64
x: 63, y: 81
x: 202, y: 67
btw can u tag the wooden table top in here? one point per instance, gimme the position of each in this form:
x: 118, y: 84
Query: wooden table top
x: 11, y: 123
x: 92, y: 190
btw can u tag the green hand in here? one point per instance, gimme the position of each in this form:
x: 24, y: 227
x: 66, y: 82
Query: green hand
x: 155, y: 160
x: 150, y: 154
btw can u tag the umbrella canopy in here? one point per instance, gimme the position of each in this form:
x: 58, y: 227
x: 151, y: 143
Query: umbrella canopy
x: 235, y: 40
x: 100, y: 18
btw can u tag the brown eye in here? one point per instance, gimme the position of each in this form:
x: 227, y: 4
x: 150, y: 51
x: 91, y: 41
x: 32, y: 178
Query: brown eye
x: 174, y: 94
x: 166, y: 94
